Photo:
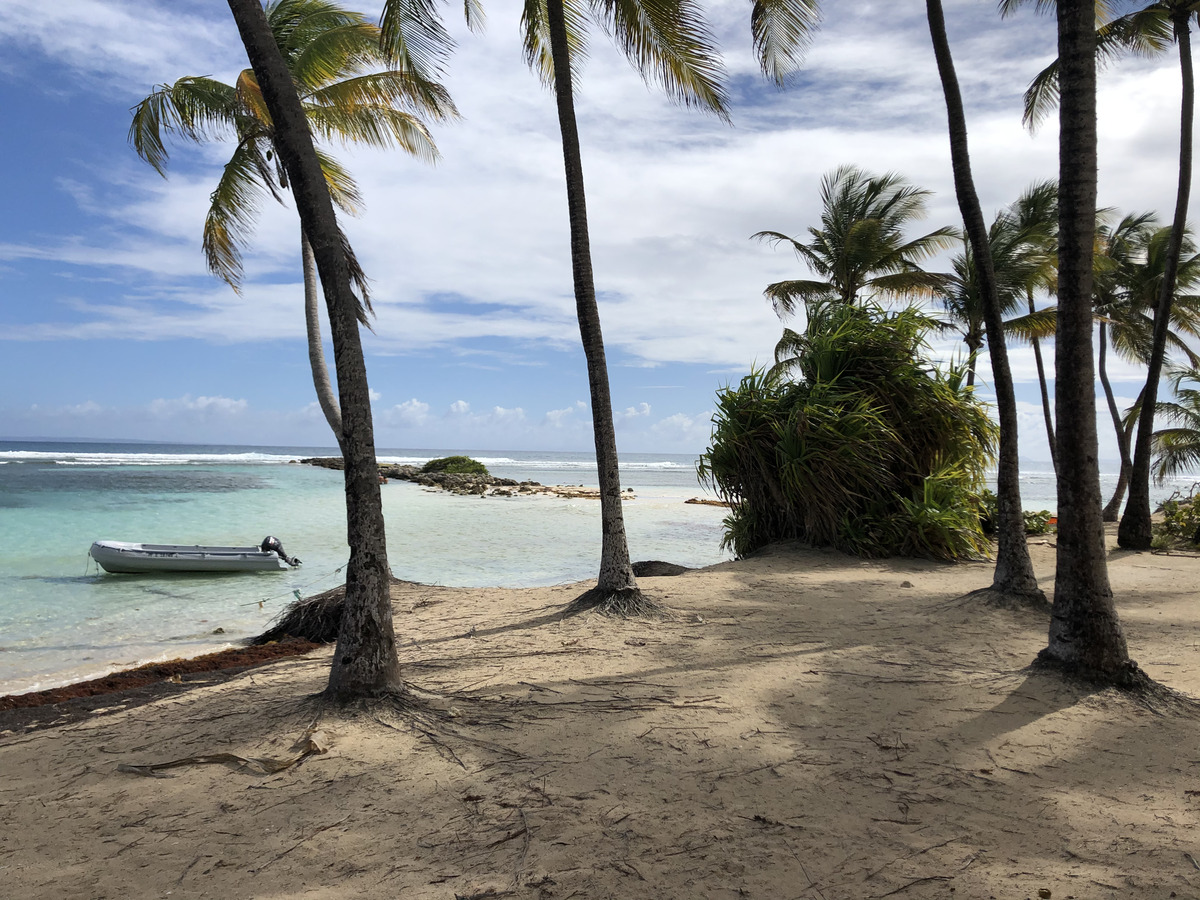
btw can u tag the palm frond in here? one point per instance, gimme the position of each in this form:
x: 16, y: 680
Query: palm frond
x: 415, y: 39
x: 233, y: 210
x: 535, y: 38
x: 343, y: 190
x: 197, y: 109
x: 782, y: 31
x: 402, y: 90
x: 378, y: 126
x: 1038, y: 325
x: 669, y: 43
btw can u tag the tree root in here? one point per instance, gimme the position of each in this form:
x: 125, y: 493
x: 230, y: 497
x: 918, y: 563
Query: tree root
x: 997, y: 598
x: 625, y: 603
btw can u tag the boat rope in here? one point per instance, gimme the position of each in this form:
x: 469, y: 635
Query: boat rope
x: 297, y: 593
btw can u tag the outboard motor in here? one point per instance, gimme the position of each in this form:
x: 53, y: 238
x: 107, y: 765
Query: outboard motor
x: 273, y: 545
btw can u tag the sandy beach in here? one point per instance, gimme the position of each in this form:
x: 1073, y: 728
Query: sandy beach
x: 809, y: 726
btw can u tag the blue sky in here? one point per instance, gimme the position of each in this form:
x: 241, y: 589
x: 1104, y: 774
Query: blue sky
x: 110, y: 326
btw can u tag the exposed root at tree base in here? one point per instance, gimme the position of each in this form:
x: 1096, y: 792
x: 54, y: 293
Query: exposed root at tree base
x: 996, y: 598
x: 1129, y: 681
x: 626, y: 603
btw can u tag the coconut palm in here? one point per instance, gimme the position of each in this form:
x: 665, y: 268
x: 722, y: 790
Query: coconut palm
x: 1036, y: 216
x: 332, y: 55
x: 364, y: 663
x: 860, y: 250
x: 1146, y: 31
x: 1013, y: 579
x: 668, y: 43
x: 1177, y: 447
x: 1019, y: 259
x: 1085, y: 634
x: 1131, y: 265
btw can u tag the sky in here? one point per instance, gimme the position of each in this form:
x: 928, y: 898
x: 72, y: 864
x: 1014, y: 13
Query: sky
x: 112, y: 328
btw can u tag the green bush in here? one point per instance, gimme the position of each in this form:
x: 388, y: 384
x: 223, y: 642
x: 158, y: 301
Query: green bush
x: 1180, y: 524
x: 852, y: 440
x: 1035, y: 522
x: 455, y: 465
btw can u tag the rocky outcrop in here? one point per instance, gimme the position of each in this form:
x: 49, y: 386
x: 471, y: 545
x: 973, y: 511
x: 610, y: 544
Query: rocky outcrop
x: 479, y: 485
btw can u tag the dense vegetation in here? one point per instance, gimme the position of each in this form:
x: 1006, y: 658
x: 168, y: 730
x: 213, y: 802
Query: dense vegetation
x: 455, y: 465
x: 853, y: 441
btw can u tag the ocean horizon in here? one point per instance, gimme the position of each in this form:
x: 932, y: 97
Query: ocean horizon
x: 64, y: 620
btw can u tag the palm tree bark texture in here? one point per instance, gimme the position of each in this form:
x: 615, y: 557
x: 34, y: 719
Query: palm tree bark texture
x: 364, y: 662
x: 1085, y: 635
x: 1014, y: 577
x: 1134, y: 531
x: 616, y: 587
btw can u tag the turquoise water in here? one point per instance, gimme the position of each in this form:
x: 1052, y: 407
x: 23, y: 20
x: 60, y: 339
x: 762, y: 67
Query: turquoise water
x: 61, y: 619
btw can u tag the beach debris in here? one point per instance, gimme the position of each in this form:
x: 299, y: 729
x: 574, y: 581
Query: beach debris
x: 316, y: 618
x: 317, y: 742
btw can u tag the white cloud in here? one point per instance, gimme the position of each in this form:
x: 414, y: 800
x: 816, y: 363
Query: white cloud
x: 409, y: 414
x: 470, y: 259
x: 203, y: 405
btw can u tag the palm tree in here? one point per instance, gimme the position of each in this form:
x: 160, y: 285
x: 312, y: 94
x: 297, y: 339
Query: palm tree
x: 364, y: 663
x: 330, y: 54
x: 668, y: 42
x: 1036, y: 216
x: 1146, y: 31
x: 1134, y: 532
x: 1130, y: 272
x: 1117, y: 251
x: 1177, y: 447
x: 1020, y: 263
x: 1085, y: 634
x: 1013, y: 577
x: 860, y: 251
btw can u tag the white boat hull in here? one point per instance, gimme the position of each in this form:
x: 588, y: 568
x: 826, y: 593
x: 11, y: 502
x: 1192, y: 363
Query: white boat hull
x: 123, y: 557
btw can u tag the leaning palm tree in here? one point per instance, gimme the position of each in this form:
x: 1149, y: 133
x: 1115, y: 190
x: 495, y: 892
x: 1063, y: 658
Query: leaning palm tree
x: 1013, y: 579
x: 333, y: 56
x: 668, y: 42
x: 364, y: 663
x: 860, y: 251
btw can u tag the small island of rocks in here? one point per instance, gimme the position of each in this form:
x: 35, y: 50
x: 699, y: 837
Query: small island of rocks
x: 454, y: 474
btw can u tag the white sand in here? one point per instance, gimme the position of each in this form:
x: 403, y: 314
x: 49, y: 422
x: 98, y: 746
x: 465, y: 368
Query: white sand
x: 813, y: 726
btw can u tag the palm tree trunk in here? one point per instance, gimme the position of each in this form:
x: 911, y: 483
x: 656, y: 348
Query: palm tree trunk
x: 1085, y: 635
x: 1046, y: 413
x: 316, y: 354
x: 1114, y: 505
x: 616, y: 588
x: 1014, y: 577
x: 1134, y: 532
x: 364, y: 662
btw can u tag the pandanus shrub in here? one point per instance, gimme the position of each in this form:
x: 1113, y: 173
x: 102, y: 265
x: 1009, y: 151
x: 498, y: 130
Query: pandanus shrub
x: 853, y: 441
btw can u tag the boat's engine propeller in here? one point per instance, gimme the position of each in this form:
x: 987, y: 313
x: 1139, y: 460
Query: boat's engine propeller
x: 272, y: 544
